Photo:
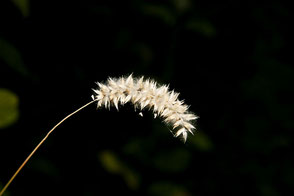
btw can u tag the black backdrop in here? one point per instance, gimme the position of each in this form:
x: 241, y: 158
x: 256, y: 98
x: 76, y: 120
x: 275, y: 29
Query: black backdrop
x: 230, y: 60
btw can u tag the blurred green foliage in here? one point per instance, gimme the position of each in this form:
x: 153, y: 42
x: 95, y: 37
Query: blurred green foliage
x: 201, y: 141
x: 231, y: 61
x: 9, y: 111
x: 204, y: 28
x: 23, y: 6
x: 7, y: 193
x: 167, y: 189
x: 160, y: 12
x: 45, y: 167
x: 12, y: 57
x: 113, y: 165
x: 173, y: 160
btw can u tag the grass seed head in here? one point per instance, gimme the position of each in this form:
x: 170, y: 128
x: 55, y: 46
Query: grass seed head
x: 147, y: 94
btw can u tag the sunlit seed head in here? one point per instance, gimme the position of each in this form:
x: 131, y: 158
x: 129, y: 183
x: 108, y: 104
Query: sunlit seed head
x: 147, y: 94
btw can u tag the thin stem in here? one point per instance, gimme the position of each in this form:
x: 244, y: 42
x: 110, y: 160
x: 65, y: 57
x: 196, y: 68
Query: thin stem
x: 36, y: 148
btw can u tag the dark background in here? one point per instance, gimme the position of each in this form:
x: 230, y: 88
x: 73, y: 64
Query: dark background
x: 232, y: 61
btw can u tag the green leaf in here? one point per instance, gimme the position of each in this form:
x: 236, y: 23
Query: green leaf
x: 113, y: 165
x: 131, y: 179
x: 110, y: 162
x: 11, y: 56
x: 8, y: 108
x: 23, y: 6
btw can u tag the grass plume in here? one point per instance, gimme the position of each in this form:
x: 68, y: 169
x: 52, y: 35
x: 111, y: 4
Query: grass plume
x: 147, y: 94
x: 142, y: 94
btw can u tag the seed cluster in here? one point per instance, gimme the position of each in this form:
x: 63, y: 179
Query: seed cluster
x: 147, y: 94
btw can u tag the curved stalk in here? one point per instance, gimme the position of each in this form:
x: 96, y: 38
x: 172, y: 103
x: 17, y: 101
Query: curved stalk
x: 40, y: 143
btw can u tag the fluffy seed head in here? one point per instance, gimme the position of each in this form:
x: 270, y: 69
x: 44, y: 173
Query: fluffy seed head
x: 147, y: 94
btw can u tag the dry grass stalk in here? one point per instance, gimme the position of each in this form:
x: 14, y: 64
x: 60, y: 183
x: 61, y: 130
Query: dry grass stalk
x: 142, y: 94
